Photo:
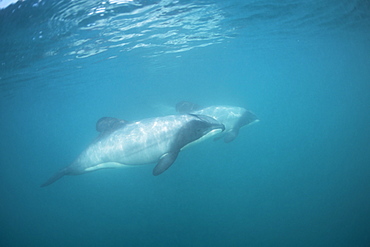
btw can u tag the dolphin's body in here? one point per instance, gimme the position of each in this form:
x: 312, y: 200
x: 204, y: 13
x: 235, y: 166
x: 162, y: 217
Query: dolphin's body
x: 232, y: 117
x: 143, y: 142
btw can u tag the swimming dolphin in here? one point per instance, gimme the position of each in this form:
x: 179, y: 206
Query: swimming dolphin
x: 233, y: 118
x: 147, y: 141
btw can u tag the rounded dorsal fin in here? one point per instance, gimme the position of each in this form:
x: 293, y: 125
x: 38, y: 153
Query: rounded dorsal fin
x: 109, y: 123
x: 187, y: 107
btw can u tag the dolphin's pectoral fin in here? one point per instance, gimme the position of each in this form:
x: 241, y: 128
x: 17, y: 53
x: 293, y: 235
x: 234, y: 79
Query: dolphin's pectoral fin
x: 228, y: 136
x: 231, y: 135
x: 218, y: 138
x: 55, y: 177
x: 165, y: 162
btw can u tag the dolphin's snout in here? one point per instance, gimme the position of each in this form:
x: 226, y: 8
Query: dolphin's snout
x: 214, y: 124
x: 219, y: 126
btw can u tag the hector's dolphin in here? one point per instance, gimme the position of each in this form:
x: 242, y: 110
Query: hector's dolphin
x: 233, y: 118
x: 148, y: 141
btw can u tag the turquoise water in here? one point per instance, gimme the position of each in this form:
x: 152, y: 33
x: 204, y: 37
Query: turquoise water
x: 299, y: 177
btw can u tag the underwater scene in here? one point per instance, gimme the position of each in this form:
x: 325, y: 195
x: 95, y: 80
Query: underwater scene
x: 185, y: 123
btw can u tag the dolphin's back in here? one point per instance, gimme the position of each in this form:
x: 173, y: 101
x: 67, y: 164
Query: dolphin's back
x: 136, y: 143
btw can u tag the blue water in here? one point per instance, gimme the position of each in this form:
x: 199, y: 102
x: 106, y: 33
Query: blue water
x: 299, y: 177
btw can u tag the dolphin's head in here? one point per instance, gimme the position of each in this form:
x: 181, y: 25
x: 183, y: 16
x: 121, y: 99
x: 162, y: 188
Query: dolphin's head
x: 247, y: 118
x: 206, y: 124
x: 198, y: 127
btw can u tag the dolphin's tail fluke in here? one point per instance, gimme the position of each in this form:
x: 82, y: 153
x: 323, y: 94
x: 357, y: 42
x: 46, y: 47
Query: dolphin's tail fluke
x: 55, y: 177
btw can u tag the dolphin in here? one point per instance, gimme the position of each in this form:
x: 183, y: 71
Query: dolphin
x: 121, y: 143
x: 232, y: 117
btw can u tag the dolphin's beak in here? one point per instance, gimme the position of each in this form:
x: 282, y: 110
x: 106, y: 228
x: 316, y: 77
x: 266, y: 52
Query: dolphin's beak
x: 218, y: 125
x: 222, y: 127
x: 213, y: 123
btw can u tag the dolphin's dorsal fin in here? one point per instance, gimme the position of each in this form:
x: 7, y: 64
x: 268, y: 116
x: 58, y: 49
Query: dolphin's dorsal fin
x: 187, y: 107
x: 109, y: 123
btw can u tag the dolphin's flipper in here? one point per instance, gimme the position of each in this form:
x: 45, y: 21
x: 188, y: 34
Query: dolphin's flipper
x: 165, y: 162
x: 218, y: 138
x: 109, y: 123
x: 231, y: 135
x: 55, y: 177
x: 187, y: 107
x: 247, y: 118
